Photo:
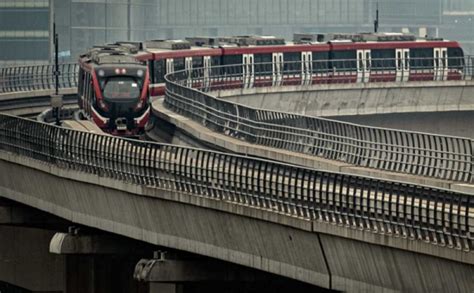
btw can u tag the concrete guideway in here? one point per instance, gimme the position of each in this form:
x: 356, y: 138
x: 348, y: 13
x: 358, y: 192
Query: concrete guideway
x: 202, y: 133
x: 443, y: 158
x: 196, y: 225
x: 340, y: 236
x: 358, y: 98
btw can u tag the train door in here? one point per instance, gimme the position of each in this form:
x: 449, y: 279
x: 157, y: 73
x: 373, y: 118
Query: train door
x: 402, y: 64
x: 440, y: 64
x: 277, y: 65
x: 306, y: 68
x: 169, y: 66
x: 406, y: 65
x: 88, y: 88
x: 248, y: 70
x: 207, y: 72
x: 188, y: 67
x: 363, y: 65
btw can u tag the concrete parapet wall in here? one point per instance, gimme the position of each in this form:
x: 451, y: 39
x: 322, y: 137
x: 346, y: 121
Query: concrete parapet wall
x: 358, y: 99
x: 330, y: 256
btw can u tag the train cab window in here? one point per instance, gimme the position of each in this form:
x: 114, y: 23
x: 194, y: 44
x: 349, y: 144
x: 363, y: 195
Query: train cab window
x: 383, y: 59
x: 263, y: 64
x: 455, y: 58
x: 343, y: 60
x: 421, y: 58
x: 121, y: 88
x: 292, y: 62
x: 320, y: 61
x: 160, y: 69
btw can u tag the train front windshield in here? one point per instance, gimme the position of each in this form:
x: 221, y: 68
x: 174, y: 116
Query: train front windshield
x: 121, y: 88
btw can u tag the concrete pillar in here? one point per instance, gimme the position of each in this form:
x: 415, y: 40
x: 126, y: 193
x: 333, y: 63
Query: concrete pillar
x: 166, y: 288
x: 26, y: 262
x: 100, y: 263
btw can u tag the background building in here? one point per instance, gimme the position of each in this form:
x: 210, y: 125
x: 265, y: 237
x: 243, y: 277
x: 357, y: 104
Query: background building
x: 24, y: 31
x: 84, y: 23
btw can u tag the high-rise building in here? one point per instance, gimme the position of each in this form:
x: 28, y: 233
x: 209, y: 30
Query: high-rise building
x: 24, y: 31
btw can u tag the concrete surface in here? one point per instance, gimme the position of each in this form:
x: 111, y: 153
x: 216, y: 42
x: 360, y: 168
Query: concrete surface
x: 358, y: 99
x: 25, y: 260
x: 226, y: 143
x: 238, y: 234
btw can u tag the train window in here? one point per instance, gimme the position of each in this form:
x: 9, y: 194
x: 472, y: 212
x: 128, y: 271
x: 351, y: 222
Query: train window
x: 361, y: 61
x: 232, y: 60
x: 455, y: 58
x: 407, y: 59
x: 263, y: 64
x: 320, y: 61
x: 292, y: 62
x: 343, y: 60
x: 198, y: 62
x: 160, y: 69
x: 179, y: 64
x: 399, y: 58
x: 383, y: 59
x: 121, y: 88
x: 215, y: 61
x: 421, y: 58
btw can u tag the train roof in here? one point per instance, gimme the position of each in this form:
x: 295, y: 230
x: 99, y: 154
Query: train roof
x: 118, y: 53
x: 134, y: 52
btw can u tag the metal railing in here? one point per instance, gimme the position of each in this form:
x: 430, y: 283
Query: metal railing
x: 437, y: 156
x: 436, y: 216
x: 37, y: 77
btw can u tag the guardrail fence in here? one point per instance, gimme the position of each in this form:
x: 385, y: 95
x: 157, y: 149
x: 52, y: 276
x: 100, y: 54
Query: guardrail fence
x: 421, y: 154
x: 37, y: 77
x: 436, y: 216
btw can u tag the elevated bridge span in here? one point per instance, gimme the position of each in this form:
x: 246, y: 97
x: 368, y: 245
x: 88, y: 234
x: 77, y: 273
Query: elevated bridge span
x: 330, y: 229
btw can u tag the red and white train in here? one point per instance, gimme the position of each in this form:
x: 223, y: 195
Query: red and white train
x: 311, y: 59
x: 271, y: 61
x: 113, y: 89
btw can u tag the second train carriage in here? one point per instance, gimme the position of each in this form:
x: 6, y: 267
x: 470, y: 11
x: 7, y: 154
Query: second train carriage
x: 311, y: 59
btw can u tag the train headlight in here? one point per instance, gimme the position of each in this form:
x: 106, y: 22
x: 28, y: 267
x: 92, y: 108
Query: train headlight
x: 101, y: 72
x: 140, y: 73
x: 139, y: 105
x: 103, y: 105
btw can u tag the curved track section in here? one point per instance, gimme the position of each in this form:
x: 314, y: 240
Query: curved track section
x: 189, y: 93
x: 394, y: 209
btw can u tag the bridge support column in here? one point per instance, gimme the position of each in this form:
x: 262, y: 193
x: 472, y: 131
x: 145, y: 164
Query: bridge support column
x: 206, y: 275
x: 100, y: 263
